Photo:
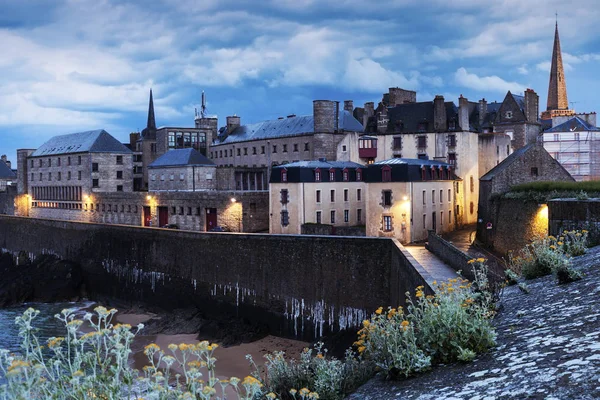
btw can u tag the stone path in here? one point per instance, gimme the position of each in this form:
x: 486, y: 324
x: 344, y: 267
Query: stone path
x: 438, y: 270
x: 548, y: 348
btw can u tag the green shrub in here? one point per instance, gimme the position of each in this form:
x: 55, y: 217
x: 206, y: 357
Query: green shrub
x: 452, y: 325
x: 540, y: 258
x: 567, y: 274
x: 331, y: 378
x: 574, y: 243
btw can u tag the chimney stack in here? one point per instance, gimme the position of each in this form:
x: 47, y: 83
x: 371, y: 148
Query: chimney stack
x: 349, y: 106
x: 463, y: 113
x: 232, y: 123
x: 482, y: 110
x: 369, y: 112
x: 440, y: 121
x: 532, y: 107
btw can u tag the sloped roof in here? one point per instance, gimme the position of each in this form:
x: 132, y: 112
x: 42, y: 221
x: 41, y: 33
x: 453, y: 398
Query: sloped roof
x: 290, y: 126
x: 5, y: 172
x: 506, y: 162
x: 98, y: 141
x: 413, y: 114
x: 520, y: 101
x: 412, y: 161
x: 575, y: 124
x: 181, y: 157
x: 321, y: 164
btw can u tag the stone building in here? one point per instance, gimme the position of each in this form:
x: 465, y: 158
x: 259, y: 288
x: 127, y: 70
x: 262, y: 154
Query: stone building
x: 407, y: 197
x: 67, y: 168
x: 153, y: 142
x: 576, y: 145
x: 182, y: 170
x: 7, y: 175
x: 531, y: 163
x: 320, y: 192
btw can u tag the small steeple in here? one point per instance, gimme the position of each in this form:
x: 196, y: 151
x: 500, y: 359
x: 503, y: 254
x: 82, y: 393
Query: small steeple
x: 557, y: 88
x: 151, y: 120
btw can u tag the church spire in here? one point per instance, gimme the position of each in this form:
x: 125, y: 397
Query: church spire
x: 151, y: 120
x: 557, y: 88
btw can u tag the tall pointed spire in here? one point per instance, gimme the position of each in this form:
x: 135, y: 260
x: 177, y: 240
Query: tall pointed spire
x: 557, y: 88
x: 151, y: 120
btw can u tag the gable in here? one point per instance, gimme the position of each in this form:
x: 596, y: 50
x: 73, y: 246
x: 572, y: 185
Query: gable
x: 510, y: 111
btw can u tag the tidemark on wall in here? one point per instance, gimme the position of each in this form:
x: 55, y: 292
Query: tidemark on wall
x: 298, y: 286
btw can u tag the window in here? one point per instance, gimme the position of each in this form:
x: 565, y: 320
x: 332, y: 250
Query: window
x: 306, y: 146
x: 318, y: 217
x: 497, y: 150
x: 59, y: 161
x: 173, y: 210
x: 95, y: 183
x: 274, y: 148
x: 181, y: 210
x: 331, y: 175
x: 472, y: 208
x: 284, y: 175
x: 422, y: 141
x: 49, y: 162
x: 576, y: 136
x: 441, y: 218
x: 262, y: 149
x: 451, y: 140
x: 245, y: 151
x: 433, y: 197
x: 49, y: 176
x: 387, y: 198
x: 295, y: 147
x: 508, y: 114
x: 472, y: 184
x: 358, y: 194
x: 78, y: 175
x: 69, y: 175
x: 346, y: 196
x: 359, y: 215
x: 285, y: 148
x: 387, y: 223
x: 422, y: 127
x: 358, y: 175
x: 452, y: 158
x: 41, y: 177
x: 230, y: 152
x: 386, y: 174
x: 189, y: 210
x: 317, y: 175
x: 333, y: 216
x: 59, y: 176
x: 119, y: 160
x: 119, y: 188
x: 534, y: 171
x: 424, y: 221
x: 162, y: 177
x: 346, y: 215
x: 557, y: 137
x: 284, y: 196
x: 119, y: 174
x: 318, y: 196
x: 95, y: 167
x: 449, y: 195
x: 32, y: 177
x: 285, y: 218
x: 424, y: 197
x: 332, y: 195
x: 345, y: 175
x: 239, y: 152
x: 449, y: 217
x: 441, y: 196
x: 254, y: 151
x: 397, y: 143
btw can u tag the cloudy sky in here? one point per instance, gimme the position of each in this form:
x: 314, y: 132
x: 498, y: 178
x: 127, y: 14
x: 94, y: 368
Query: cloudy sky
x: 73, y: 65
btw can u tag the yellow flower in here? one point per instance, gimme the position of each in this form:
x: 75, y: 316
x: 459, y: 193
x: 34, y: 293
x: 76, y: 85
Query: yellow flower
x: 560, y: 243
x: 313, y: 395
x: 405, y: 323
x: 55, y: 342
x: 379, y: 311
x: 361, y: 349
x: 419, y: 294
x: 271, y: 395
x: 251, y: 381
x: 78, y: 373
x: 552, y: 247
x: 304, y: 392
x: 172, y: 347
x: 320, y: 356
x: 471, y: 261
x: 209, y: 391
x: 151, y: 349
x: 366, y: 323
x: 293, y: 392
x: 481, y: 259
x: 584, y: 231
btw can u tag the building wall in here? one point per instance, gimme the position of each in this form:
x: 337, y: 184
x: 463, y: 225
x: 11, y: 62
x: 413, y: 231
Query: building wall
x: 302, y: 206
x: 466, y: 165
x: 296, y: 285
x: 108, y: 172
x: 185, y: 209
x: 576, y: 151
x: 414, y: 205
x: 493, y: 148
x: 185, y: 178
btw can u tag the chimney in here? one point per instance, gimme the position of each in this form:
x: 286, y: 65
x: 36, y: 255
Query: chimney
x: 440, y: 122
x: 324, y: 115
x: 349, y: 106
x: 232, y: 123
x: 337, y: 117
x: 482, y: 110
x: 532, y: 107
x: 463, y: 113
x: 369, y: 112
x: 133, y: 138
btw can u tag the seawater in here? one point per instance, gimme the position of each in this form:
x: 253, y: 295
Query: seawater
x: 46, y: 324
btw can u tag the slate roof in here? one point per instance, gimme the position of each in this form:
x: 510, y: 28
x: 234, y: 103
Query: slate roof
x: 98, y: 141
x: 181, y: 157
x: 412, y: 114
x: 284, y: 127
x: 5, y: 172
x: 412, y: 161
x: 506, y: 163
x: 575, y: 124
x: 520, y: 101
x: 321, y: 164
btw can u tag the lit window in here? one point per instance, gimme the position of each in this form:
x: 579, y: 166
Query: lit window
x: 387, y: 223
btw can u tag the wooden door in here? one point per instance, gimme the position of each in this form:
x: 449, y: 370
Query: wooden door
x: 211, y: 218
x: 147, y: 216
x: 163, y: 216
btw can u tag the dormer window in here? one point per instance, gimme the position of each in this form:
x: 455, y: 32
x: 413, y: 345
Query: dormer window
x: 331, y: 175
x: 345, y: 175
x: 452, y: 125
x: 423, y: 174
x: 317, y: 175
x: 422, y: 126
x: 508, y: 114
x: 284, y: 176
x: 386, y: 174
x: 358, y: 175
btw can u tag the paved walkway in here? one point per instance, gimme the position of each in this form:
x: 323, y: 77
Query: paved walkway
x: 438, y: 270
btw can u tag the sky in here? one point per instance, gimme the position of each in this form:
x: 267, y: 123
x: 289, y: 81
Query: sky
x: 74, y: 65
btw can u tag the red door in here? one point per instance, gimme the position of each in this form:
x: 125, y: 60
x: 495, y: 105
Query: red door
x: 147, y: 216
x: 211, y: 218
x: 163, y: 216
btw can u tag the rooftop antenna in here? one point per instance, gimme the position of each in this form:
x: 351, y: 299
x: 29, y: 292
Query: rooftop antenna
x: 203, y: 107
x: 573, y: 102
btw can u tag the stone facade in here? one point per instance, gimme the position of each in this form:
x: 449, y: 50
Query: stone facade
x: 189, y: 178
x: 518, y: 118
